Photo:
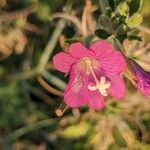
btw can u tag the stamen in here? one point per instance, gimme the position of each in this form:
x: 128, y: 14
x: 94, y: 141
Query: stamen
x: 92, y: 87
x: 101, y: 85
x: 89, y: 64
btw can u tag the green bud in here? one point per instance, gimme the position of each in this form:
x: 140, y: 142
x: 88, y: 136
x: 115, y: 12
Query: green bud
x: 115, y: 23
x: 122, y: 29
x: 43, y: 11
x: 134, y: 20
x: 108, y: 11
x: 105, y: 23
x: 123, y: 8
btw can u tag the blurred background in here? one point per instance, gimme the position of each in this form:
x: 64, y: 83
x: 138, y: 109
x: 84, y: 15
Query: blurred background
x: 32, y: 113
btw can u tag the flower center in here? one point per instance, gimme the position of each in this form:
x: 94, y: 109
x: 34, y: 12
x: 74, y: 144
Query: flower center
x: 83, y: 64
x: 101, y: 85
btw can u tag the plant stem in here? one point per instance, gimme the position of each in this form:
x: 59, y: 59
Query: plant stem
x: 104, y: 4
x: 19, y: 132
x: 54, y: 39
x: 54, y: 80
x: 51, y: 44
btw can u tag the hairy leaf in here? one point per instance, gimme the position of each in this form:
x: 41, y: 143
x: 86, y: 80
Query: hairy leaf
x: 134, y: 20
x: 102, y: 34
x: 135, y: 5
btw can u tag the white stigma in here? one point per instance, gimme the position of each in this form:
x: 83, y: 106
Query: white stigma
x: 101, y: 85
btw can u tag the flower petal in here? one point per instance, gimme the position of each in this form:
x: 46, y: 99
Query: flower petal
x: 113, y: 64
x: 63, y: 62
x: 95, y: 100
x: 78, y: 50
x: 142, y: 78
x: 112, y: 61
x: 101, y: 48
x: 117, y: 88
x: 77, y: 92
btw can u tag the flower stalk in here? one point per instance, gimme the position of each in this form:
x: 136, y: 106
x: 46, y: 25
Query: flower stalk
x: 103, y: 5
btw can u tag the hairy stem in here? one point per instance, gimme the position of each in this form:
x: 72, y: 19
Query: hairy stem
x: 51, y: 44
x: 38, y: 125
x: 103, y: 5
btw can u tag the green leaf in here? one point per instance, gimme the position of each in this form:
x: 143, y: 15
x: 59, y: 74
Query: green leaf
x: 122, y: 29
x: 108, y: 12
x: 121, y: 37
x: 123, y: 8
x: 119, y: 140
x: 134, y: 37
x: 144, y: 146
x: 111, y: 4
x: 115, y: 22
x: 87, y: 40
x: 105, y: 23
x: 134, y: 20
x: 74, y: 39
x: 135, y: 5
x: 117, y: 2
x: 2, y: 71
x: 75, y: 131
x: 113, y: 146
x: 43, y: 11
x: 102, y: 34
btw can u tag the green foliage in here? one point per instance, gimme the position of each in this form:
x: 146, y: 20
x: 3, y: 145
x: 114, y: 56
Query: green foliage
x: 101, y: 33
x: 121, y: 37
x: 134, y: 21
x: 111, y: 4
x: 117, y: 2
x: 105, y: 23
x: 74, y: 39
x: 113, y: 147
x: 135, y: 6
x: 123, y: 8
x: 2, y: 70
x: 122, y: 29
x: 43, y: 11
x: 75, y: 131
x: 119, y: 140
x: 134, y: 37
x: 121, y: 21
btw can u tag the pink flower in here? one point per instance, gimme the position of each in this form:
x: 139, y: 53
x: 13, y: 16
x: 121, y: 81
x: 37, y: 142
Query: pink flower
x: 94, y: 72
x: 142, y: 78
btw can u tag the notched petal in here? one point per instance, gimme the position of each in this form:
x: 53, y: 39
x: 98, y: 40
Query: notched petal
x: 78, y: 50
x: 63, y: 62
x: 101, y: 48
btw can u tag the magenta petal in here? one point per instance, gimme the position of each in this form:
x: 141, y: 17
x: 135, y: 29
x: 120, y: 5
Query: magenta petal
x: 142, y: 78
x: 114, y: 63
x: 78, y: 50
x: 101, y: 48
x: 63, y: 62
x: 95, y: 100
x: 117, y: 88
x: 77, y: 92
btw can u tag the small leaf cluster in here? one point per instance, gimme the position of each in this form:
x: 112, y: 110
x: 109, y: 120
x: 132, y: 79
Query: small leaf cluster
x: 123, y: 16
